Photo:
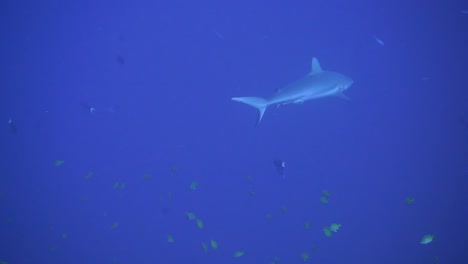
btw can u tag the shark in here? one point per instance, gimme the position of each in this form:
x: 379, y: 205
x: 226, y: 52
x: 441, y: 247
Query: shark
x: 317, y: 84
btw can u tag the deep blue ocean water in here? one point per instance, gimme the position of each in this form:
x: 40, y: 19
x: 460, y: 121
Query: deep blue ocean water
x: 116, y: 121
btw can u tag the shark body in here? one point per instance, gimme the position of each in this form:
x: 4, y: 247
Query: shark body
x: 317, y: 84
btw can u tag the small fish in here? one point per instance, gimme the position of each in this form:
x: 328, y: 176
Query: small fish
x: 335, y: 227
x: 190, y: 216
x: 12, y: 126
x: 409, y: 201
x: 87, y: 107
x: 205, y: 247
x: 214, y: 244
x: 279, y: 165
x: 379, y: 41
x: 323, y: 200
x: 200, y: 224
x: 219, y: 35
x: 120, y: 59
x: 427, y: 239
x: 239, y: 254
x: 170, y: 239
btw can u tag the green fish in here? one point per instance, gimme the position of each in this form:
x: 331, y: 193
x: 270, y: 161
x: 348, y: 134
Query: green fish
x: 214, y: 244
x: 238, y: 254
x: 323, y: 200
x: 170, y: 239
x: 334, y: 227
x: 427, y: 239
x: 409, y: 201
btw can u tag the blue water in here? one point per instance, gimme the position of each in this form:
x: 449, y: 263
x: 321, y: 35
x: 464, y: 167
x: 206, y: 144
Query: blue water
x: 117, y: 107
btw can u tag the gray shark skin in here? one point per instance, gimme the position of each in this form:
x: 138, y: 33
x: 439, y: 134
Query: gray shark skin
x: 317, y: 84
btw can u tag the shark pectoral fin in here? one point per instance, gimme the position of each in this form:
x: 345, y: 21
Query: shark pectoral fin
x: 257, y: 102
x: 343, y: 96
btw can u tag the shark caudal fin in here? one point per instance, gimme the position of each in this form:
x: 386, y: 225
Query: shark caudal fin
x: 257, y: 102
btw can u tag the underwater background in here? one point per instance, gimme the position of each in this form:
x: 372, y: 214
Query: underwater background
x: 120, y: 142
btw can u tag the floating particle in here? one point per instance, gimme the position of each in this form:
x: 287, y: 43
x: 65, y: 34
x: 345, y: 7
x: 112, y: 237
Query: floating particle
x: 193, y: 186
x: 64, y: 235
x: 379, y: 41
x: 59, y: 162
x: 268, y: 216
x: 307, y: 225
x: 174, y: 169
x: 305, y: 256
x: 251, y: 192
x: 219, y: 35
x: 238, y: 254
x: 89, y: 175
x: 249, y: 178
x: 325, y: 193
x: 146, y: 176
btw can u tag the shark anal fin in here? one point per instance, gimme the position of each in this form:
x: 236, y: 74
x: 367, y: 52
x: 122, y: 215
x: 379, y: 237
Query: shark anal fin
x: 343, y: 96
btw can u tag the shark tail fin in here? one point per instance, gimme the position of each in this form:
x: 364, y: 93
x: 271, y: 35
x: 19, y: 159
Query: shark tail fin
x: 257, y: 102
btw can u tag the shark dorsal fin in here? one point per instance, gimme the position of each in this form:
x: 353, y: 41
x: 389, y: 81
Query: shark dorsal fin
x: 315, y: 66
